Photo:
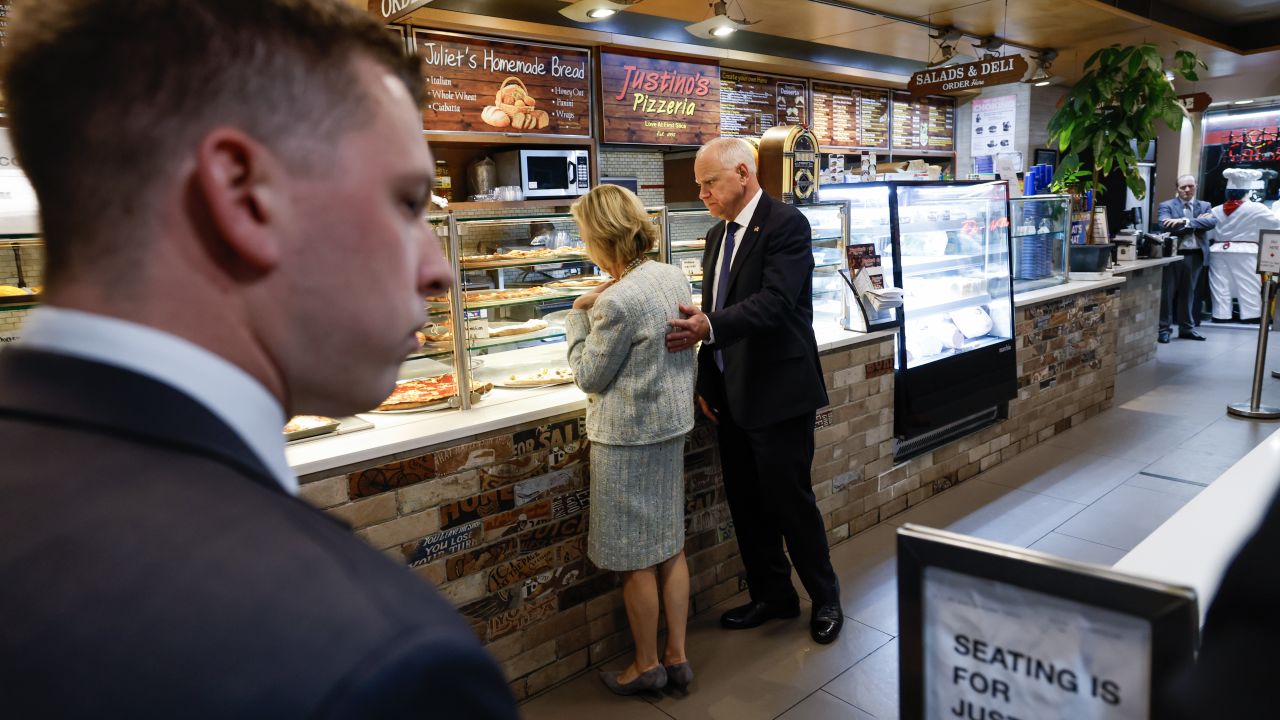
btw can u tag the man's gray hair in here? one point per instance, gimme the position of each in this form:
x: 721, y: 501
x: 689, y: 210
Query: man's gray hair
x: 1184, y: 177
x: 730, y: 152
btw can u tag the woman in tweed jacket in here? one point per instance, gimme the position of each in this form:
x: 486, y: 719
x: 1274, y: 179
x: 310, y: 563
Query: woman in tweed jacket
x: 639, y: 407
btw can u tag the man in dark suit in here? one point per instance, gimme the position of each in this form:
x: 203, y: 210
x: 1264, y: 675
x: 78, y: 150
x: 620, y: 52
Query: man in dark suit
x: 760, y: 380
x: 231, y: 195
x: 1189, y: 220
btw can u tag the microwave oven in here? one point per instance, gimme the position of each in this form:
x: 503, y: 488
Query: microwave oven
x: 544, y: 173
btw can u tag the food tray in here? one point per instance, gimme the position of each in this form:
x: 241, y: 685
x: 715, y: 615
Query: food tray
x: 305, y: 433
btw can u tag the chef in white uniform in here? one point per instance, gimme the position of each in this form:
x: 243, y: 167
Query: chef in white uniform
x: 1233, y: 257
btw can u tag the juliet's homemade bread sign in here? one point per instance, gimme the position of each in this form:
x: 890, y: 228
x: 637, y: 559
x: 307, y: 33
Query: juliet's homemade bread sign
x: 483, y: 85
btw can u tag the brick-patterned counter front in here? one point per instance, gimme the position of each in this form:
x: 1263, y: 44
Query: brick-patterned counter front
x: 1138, y: 320
x: 498, y: 521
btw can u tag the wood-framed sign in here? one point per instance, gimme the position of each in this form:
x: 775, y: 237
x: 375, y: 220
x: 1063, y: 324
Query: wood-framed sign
x: 4, y: 37
x: 751, y: 103
x: 924, y: 125
x: 392, y: 10
x: 848, y: 116
x: 1195, y: 102
x: 969, y: 76
x: 657, y: 100
x: 483, y: 85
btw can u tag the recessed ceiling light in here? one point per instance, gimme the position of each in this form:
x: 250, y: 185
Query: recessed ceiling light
x: 588, y: 11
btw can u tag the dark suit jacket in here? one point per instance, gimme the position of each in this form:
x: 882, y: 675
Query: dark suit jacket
x: 151, y: 567
x: 1172, y: 210
x: 1234, y: 676
x: 765, y: 330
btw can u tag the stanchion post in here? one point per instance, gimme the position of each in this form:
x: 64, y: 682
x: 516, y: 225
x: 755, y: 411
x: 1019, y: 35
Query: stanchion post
x: 1254, y: 408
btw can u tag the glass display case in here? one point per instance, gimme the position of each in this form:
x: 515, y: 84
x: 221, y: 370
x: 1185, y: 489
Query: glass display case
x: 1038, y: 227
x: 950, y: 255
x: 687, y: 229
x: 829, y: 223
x: 870, y: 234
x: 518, y: 278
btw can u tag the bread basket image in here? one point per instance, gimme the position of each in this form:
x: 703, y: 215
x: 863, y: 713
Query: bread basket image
x: 515, y: 108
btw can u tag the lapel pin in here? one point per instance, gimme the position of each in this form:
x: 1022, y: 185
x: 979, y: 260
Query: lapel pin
x: 755, y: 229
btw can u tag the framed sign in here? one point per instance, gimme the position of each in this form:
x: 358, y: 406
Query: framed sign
x: 923, y: 125
x: 991, y: 630
x: 969, y: 76
x: 392, y: 10
x: 483, y: 85
x: 751, y: 103
x: 4, y: 37
x: 994, y: 126
x: 1269, y: 251
x: 848, y: 116
x: 652, y: 100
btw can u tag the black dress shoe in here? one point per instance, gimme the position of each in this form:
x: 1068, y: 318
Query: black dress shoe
x: 756, y: 613
x: 1163, y: 338
x: 1191, y: 335
x: 826, y: 622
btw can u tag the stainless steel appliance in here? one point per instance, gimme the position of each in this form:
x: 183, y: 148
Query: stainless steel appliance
x: 545, y: 172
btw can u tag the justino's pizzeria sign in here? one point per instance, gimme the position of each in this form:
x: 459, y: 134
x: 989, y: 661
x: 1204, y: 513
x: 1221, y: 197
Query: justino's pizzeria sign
x: 969, y: 76
x: 653, y: 100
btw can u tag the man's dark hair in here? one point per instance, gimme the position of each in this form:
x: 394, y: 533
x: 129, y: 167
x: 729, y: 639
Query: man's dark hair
x: 105, y: 97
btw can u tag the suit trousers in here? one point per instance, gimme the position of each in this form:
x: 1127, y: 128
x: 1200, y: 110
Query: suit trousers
x: 770, y: 493
x: 1177, y: 295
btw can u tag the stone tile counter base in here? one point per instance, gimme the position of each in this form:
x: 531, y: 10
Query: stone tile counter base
x: 498, y: 521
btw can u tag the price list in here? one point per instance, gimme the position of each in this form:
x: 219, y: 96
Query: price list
x: 751, y: 103
x: 925, y: 125
x: 4, y: 34
x: 852, y: 117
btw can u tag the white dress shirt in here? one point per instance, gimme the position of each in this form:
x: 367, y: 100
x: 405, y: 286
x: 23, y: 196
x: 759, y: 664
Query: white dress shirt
x: 743, y: 219
x: 231, y: 394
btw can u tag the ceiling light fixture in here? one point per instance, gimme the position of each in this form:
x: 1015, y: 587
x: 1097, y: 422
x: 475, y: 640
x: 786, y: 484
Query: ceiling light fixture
x: 1040, y: 77
x: 719, y: 25
x: 587, y: 11
x: 1243, y: 102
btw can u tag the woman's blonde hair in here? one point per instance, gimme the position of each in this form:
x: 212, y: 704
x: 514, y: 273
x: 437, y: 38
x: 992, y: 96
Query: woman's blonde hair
x: 615, y: 226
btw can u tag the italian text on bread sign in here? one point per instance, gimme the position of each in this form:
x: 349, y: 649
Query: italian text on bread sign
x: 993, y: 651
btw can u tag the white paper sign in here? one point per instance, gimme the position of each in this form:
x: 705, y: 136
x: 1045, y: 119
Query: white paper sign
x: 1269, y: 251
x: 995, y: 651
x: 994, y: 125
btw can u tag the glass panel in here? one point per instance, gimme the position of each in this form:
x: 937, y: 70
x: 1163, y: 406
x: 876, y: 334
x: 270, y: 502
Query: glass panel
x: 1039, y: 231
x: 955, y: 265
x: 828, y: 228
x: 869, y: 234
x: 687, y: 230
x: 435, y: 356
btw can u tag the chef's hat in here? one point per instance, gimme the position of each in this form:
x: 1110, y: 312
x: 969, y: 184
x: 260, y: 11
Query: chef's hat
x: 1242, y: 178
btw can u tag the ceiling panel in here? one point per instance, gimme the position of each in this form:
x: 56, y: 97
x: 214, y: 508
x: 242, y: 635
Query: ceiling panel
x: 1232, y: 12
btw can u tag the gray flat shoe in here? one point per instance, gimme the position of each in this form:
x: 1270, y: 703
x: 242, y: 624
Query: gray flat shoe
x: 680, y: 675
x: 647, y: 681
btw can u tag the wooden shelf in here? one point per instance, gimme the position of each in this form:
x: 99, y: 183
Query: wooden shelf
x: 502, y: 139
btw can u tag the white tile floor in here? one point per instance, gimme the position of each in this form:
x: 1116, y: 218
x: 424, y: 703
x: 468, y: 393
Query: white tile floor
x: 1089, y: 494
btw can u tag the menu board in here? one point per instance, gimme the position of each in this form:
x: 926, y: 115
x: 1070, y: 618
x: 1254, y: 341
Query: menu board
x: 4, y: 35
x: 849, y: 116
x: 924, y: 125
x: 751, y: 103
x: 658, y: 101
x: 478, y: 85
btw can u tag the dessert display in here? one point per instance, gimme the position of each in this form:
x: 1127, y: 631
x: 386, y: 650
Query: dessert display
x: 473, y: 298
x: 541, y: 378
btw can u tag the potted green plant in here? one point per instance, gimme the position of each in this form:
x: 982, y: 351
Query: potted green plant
x: 1112, y: 113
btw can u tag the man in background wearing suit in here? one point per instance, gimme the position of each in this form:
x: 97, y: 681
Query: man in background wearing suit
x: 231, y: 194
x: 1189, y: 220
x: 760, y: 380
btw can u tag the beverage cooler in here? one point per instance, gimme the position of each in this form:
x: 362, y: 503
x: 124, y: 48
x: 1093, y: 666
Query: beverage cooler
x: 955, y: 367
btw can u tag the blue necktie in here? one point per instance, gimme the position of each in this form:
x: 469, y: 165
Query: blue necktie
x: 722, y: 278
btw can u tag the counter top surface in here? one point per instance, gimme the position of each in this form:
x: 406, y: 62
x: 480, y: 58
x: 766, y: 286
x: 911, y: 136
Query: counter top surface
x: 1134, y: 265
x: 398, y: 434
x: 1195, y: 545
x: 1073, y: 287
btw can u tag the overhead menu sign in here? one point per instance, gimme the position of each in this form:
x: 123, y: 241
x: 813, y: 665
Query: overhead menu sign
x: 925, y: 125
x: 658, y: 101
x: 751, y: 103
x: 969, y: 76
x: 392, y: 10
x: 847, y: 116
x: 479, y: 85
